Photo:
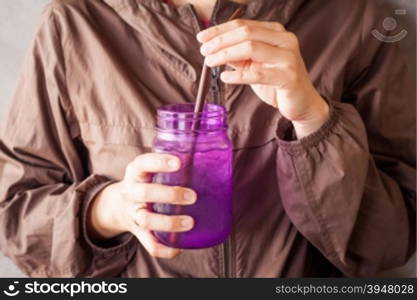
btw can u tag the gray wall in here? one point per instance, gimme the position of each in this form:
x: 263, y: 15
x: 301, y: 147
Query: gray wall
x: 17, y: 21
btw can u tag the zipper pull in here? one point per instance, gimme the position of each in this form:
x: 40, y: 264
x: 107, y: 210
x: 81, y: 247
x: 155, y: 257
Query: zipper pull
x: 215, y: 72
x: 215, y: 85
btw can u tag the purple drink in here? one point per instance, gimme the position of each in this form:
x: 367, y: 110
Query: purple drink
x: 206, y: 157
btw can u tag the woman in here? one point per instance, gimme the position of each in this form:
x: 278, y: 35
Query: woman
x: 321, y: 116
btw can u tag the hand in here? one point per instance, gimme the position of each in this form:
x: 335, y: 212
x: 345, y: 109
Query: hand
x: 123, y: 206
x: 267, y: 57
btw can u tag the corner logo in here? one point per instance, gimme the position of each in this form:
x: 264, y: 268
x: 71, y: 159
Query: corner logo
x: 12, y: 291
x: 390, y: 24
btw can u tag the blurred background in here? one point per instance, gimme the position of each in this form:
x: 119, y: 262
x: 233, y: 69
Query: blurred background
x: 18, y: 19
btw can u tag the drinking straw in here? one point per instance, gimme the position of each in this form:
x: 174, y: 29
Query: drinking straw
x: 198, y: 109
x: 199, y: 103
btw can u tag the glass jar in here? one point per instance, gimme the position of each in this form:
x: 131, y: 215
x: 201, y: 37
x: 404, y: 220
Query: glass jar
x: 200, y: 141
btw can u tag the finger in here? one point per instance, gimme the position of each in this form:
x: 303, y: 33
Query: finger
x: 159, y: 193
x: 256, y: 34
x: 158, y: 222
x: 266, y: 76
x: 214, y: 31
x: 255, y: 51
x: 243, y: 65
x: 140, y: 168
x: 155, y: 248
x: 237, y: 65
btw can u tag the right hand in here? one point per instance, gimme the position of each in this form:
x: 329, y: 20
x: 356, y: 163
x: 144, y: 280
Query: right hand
x: 124, y: 206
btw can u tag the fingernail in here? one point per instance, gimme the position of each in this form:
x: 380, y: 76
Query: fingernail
x: 226, y: 76
x: 205, y: 49
x: 186, y: 222
x: 200, y: 36
x: 209, y: 61
x: 173, y: 163
x: 189, y: 197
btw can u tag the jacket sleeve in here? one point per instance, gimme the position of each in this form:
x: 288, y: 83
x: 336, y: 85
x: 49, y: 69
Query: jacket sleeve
x: 45, y: 187
x: 349, y: 188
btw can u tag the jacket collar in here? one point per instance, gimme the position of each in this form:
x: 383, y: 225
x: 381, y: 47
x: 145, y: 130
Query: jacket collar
x: 171, y: 30
x: 223, y: 8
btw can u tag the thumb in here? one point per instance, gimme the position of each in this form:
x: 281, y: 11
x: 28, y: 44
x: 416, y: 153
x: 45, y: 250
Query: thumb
x: 142, y: 167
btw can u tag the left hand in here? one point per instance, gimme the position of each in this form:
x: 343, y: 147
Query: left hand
x: 267, y: 57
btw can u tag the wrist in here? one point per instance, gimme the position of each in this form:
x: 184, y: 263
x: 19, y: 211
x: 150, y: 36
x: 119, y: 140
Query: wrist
x: 314, y: 121
x: 102, y: 220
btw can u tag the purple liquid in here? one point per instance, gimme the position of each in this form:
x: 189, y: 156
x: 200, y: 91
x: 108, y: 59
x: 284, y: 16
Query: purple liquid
x: 210, y: 175
x: 200, y: 141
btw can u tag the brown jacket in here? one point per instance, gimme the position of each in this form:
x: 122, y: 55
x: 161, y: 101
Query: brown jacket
x: 340, y: 201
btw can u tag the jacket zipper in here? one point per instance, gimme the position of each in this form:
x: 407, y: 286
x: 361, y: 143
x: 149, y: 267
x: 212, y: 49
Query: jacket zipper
x: 215, y: 92
x: 215, y: 85
x: 227, y: 248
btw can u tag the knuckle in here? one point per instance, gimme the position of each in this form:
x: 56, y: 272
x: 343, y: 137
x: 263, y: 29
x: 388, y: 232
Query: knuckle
x: 218, y: 41
x: 225, y: 54
x: 250, y: 46
x: 143, y: 192
x: 246, y: 31
x: 214, y: 30
x: 238, y: 23
x: 292, y: 38
x: 129, y: 169
x: 278, y: 26
x: 258, y: 75
x: 174, y: 194
x: 143, y: 219
x: 171, y: 223
x: 245, y: 76
x: 240, y: 76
